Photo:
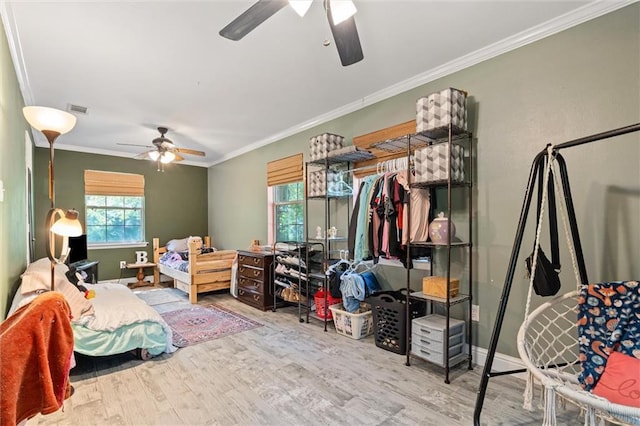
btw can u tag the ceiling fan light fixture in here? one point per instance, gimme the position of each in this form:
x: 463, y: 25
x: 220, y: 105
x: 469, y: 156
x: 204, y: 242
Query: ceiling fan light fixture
x: 300, y: 6
x: 341, y: 10
x: 154, y: 155
x: 167, y: 157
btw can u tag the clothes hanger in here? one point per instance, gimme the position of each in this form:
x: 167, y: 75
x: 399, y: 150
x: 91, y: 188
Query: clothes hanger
x: 342, y: 187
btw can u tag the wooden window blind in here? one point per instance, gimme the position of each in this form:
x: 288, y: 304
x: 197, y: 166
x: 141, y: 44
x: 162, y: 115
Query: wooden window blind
x: 112, y: 183
x: 285, y: 170
x: 365, y: 142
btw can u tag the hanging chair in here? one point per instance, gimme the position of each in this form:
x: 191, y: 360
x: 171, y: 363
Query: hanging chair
x: 549, y: 347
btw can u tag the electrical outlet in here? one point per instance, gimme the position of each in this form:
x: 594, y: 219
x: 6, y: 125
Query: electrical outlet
x: 475, y: 313
x: 123, y: 264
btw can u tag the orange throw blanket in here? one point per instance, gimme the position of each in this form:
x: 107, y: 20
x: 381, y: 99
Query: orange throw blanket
x: 36, y: 344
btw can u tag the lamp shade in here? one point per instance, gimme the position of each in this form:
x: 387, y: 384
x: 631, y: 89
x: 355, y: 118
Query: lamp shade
x: 69, y: 225
x: 45, y: 118
x: 154, y: 155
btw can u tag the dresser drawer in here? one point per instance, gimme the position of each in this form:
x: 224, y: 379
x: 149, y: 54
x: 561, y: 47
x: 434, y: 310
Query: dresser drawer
x: 246, y: 260
x: 253, y: 273
x: 252, y: 298
x: 251, y: 285
x: 432, y: 327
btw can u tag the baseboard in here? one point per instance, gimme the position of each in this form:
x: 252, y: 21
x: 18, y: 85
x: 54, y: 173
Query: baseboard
x: 501, y: 362
x: 127, y: 280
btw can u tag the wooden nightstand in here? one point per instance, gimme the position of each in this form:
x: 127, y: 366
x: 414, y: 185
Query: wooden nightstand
x: 140, y: 275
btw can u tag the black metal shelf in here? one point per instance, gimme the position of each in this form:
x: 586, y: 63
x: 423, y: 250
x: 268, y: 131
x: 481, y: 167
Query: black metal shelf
x: 423, y: 139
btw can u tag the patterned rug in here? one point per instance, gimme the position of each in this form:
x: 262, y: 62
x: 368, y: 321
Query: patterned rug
x: 199, y: 323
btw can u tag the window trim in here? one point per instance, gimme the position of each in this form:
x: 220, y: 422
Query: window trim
x: 271, y: 211
x: 117, y: 244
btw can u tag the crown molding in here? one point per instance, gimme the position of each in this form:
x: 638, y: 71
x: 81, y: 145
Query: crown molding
x: 576, y: 17
x: 553, y: 26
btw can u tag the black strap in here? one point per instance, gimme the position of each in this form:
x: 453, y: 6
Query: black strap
x: 553, y: 219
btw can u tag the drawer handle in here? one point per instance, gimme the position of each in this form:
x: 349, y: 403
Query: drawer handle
x: 241, y: 291
x: 241, y: 258
x: 256, y: 284
x: 256, y: 260
x: 426, y: 342
x: 256, y: 297
x: 256, y: 273
x: 425, y: 330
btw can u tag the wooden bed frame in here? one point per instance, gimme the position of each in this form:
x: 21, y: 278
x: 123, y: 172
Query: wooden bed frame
x: 207, y: 271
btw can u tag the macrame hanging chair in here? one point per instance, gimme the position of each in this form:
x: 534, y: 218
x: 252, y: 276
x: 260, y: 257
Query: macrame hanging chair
x: 549, y: 347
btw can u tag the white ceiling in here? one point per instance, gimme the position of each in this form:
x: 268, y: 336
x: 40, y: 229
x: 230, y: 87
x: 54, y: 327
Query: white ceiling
x: 143, y: 64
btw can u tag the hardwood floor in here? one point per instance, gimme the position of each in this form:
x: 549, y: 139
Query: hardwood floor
x: 284, y: 373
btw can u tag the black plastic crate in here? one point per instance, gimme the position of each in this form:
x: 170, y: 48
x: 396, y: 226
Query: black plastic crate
x: 390, y: 318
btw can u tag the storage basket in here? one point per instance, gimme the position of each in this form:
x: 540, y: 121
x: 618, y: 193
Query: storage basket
x: 440, y: 109
x: 390, y: 318
x: 322, y: 309
x: 355, y: 325
x: 321, y: 145
x: 435, y: 162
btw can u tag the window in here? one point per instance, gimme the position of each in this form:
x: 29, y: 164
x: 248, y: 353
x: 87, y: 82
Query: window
x: 114, y: 209
x: 114, y: 219
x: 288, y: 212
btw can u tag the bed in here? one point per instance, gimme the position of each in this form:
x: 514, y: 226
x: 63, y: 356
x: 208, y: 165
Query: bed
x: 113, y: 321
x: 192, y: 266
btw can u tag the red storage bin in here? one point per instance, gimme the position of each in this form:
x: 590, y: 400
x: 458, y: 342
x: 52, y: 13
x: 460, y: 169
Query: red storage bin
x: 323, y: 310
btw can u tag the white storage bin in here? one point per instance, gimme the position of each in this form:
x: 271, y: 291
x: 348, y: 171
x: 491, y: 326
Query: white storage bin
x: 440, y: 109
x: 433, y: 163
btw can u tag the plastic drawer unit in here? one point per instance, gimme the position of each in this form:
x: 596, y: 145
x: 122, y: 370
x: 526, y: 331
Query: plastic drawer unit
x: 427, y: 339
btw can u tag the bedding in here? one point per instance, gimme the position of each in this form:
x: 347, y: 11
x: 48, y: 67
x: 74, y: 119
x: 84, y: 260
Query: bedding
x: 119, y: 321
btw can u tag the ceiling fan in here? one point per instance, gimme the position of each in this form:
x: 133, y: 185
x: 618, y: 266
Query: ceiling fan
x: 164, y: 150
x: 339, y: 14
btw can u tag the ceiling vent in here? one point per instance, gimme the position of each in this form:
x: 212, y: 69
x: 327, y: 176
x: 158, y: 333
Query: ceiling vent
x: 77, y: 109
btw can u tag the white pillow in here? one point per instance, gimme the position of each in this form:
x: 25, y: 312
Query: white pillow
x: 37, y: 278
x: 178, y: 245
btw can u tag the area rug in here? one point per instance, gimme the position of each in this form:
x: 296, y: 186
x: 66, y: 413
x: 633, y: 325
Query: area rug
x: 165, y: 299
x: 198, y: 324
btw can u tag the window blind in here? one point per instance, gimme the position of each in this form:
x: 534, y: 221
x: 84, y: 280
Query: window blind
x: 112, y: 183
x: 365, y: 142
x: 285, y: 170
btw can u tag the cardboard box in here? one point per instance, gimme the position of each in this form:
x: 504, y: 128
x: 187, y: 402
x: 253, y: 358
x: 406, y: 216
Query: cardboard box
x: 437, y: 287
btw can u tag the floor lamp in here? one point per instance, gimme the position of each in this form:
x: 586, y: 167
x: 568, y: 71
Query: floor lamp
x: 53, y: 123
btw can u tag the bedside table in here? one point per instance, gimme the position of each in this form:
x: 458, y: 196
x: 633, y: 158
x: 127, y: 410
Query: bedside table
x: 140, y: 274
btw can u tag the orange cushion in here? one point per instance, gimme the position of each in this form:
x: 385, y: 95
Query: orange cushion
x: 620, y: 382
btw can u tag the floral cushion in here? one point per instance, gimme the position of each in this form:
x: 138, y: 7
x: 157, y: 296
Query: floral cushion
x: 608, y: 321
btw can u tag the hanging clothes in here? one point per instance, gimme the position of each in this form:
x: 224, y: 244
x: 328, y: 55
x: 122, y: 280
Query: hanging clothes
x: 420, y: 207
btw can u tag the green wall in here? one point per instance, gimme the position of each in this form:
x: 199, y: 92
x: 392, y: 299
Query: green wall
x: 13, y: 217
x: 175, y: 200
x: 578, y: 82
